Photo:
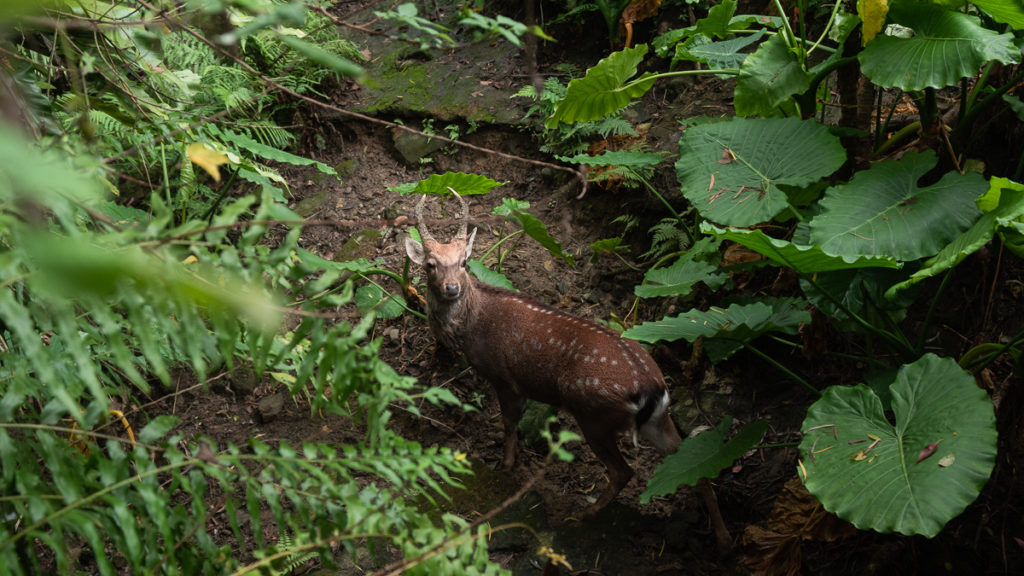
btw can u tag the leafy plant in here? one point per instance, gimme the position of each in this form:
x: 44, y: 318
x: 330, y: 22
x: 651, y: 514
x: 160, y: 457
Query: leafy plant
x: 858, y: 245
x: 702, y: 456
x: 103, y: 302
x: 570, y: 139
x: 910, y: 476
x: 429, y: 34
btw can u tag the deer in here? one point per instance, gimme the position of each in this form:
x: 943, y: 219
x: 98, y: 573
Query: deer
x: 528, y: 350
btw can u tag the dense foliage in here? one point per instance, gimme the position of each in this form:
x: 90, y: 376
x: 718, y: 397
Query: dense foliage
x: 124, y: 267
x: 144, y: 236
x: 770, y: 179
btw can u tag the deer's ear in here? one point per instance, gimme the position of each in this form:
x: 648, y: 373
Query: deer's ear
x: 415, y: 250
x: 469, y: 243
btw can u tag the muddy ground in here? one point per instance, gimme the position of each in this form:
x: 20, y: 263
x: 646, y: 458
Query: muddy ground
x: 670, y: 535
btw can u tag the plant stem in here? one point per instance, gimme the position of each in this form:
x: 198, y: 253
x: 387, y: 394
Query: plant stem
x: 902, y: 133
x: 653, y: 77
x: 967, y: 119
x: 499, y: 243
x: 828, y: 26
x: 931, y: 311
x: 788, y: 37
x: 782, y: 368
x: 777, y: 445
x: 880, y: 126
x: 984, y: 362
x: 896, y: 342
x: 668, y: 206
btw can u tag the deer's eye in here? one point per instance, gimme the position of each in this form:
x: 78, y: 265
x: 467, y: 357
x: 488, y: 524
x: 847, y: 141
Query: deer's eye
x: 463, y: 263
x: 430, y: 265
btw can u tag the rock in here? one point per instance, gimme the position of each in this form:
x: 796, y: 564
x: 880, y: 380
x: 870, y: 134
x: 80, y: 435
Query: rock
x: 270, y: 407
x: 309, y: 206
x: 414, y: 147
x: 362, y: 245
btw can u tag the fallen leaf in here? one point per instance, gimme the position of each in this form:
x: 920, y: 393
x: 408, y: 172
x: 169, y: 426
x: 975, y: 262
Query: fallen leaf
x: 928, y: 451
x: 947, y: 460
x: 727, y: 157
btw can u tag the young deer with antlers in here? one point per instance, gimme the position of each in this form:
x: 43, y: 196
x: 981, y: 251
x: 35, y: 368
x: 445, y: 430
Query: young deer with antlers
x: 526, y: 349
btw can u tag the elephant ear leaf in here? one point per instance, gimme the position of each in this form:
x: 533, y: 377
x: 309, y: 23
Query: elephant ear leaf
x: 946, y: 46
x: 882, y: 211
x: 604, y: 89
x: 912, y: 475
x: 732, y: 170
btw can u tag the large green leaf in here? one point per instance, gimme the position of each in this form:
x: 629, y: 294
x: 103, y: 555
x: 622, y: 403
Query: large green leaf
x: 721, y: 54
x: 887, y: 488
x: 438, y: 184
x: 1006, y: 11
x: 478, y: 269
x: 802, y: 259
x: 946, y: 46
x: 718, y: 20
x: 702, y: 456
x: 737, y: 324
x: 603, y: 90
x: 730, y: 170
x: 1009, y: 198
x: 882, y: 212
x: 768, y: 78
x: 861, y: 291
x: 679, y: 278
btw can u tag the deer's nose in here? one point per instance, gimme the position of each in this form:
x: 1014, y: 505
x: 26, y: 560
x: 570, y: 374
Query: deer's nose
x: 451, y: 290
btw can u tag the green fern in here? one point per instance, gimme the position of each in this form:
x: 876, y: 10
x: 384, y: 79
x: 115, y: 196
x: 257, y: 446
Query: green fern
x: 101, y: 304
x: 189, y: 53
x: 289, y: 563
x: 668, y: 236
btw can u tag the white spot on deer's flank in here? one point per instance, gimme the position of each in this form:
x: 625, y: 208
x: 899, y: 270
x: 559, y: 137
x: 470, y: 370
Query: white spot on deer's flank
x: 604, y: 358
x: 586, y: 358
x: 615, y: 362
x: 594, y: 351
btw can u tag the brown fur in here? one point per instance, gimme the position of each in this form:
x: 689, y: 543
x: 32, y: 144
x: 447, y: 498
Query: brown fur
x: 526, y: 349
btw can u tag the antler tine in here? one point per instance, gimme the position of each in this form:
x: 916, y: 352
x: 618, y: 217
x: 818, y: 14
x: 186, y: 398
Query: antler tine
x: 465, y: 214
x: 421, y: 223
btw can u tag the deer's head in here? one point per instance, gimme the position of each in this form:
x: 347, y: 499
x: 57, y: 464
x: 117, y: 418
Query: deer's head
x: 445, y: 264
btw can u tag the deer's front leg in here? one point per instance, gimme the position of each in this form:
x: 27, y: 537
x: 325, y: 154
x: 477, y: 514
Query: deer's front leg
x: 511, y: 404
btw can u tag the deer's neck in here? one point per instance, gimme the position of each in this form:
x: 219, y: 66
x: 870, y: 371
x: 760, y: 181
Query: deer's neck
x: 450, y: 319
